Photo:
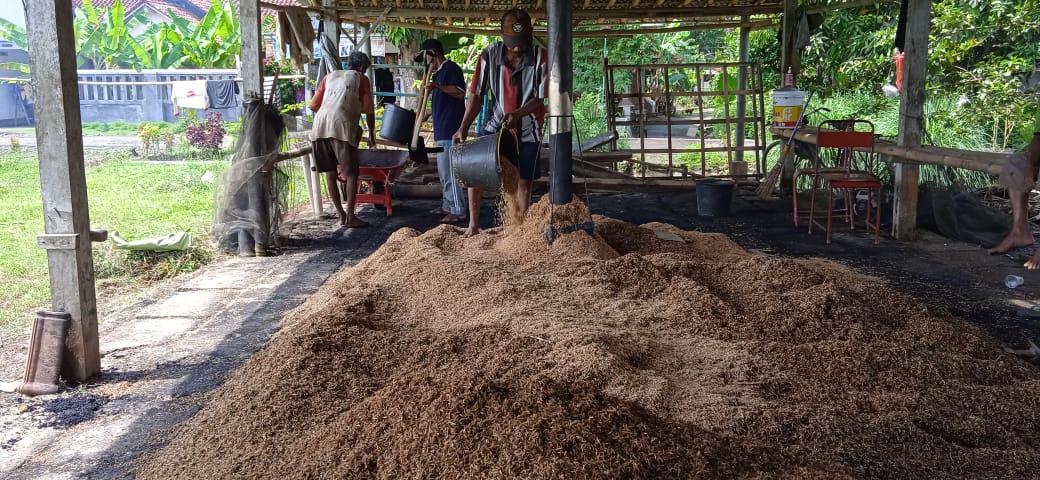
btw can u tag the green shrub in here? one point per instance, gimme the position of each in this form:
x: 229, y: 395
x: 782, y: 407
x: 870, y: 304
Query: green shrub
x: 714, y: 162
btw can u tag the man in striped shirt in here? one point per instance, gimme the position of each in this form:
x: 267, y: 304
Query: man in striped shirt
x: 515, y: 72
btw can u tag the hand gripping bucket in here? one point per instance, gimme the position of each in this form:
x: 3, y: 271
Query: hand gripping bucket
x: 714, y: 196
x: 475, y: 163
x: 398, y: 123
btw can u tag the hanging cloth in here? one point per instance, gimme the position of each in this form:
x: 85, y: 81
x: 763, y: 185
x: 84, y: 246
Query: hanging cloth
x: 188, y: 94
x: 222, y: 93
x: 330, y: 61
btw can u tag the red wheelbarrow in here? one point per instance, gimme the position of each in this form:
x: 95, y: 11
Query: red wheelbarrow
x: 379, y: 167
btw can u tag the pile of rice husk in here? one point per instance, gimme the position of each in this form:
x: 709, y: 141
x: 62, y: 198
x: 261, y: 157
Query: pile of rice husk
x: 636, y: 352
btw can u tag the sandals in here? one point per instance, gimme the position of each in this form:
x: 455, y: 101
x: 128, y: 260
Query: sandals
x: 439, y: 211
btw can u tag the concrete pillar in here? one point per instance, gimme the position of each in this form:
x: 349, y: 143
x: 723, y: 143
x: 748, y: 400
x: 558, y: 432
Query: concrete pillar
x: 66, y: 218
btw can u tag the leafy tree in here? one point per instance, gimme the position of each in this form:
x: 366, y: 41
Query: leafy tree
x: 102, y: 37
x: 215, y: 42
x: 16, y: 35
x: 13, y: 33
x: 159, y: 46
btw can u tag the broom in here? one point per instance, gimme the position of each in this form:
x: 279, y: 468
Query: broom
x: 765, y: 189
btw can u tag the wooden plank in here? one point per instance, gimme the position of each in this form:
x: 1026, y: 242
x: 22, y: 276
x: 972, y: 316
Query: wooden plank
x: 911, y: 111
x: 59, y: 137
x: 989, y: 162
x: 597, y: 141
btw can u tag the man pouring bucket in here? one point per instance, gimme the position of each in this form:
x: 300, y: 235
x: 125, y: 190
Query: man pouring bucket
x: 515, y: 72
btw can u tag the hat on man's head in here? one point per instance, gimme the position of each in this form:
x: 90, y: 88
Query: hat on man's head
x: 427, y: 45
x: 516, y: 28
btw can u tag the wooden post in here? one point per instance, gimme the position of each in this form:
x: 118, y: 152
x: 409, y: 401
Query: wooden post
x: 911, y: 118
x: 742, y: 84
x: 252, y: 68
x: 66, y: 218
x: 790, y: 56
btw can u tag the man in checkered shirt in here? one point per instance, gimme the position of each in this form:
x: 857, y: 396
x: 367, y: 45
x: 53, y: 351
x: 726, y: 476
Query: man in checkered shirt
x: 515, y: 71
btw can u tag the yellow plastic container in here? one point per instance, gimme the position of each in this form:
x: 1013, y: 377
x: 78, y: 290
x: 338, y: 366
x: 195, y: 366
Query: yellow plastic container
x: 787, y: 106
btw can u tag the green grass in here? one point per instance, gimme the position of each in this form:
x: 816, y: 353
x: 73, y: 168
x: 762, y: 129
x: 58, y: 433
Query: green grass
x: 135, y: 199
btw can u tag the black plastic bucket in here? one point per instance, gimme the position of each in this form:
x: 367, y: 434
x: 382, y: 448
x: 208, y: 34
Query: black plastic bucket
x: 714, y: 196
x: 398, y: 124
x: 475, y: 162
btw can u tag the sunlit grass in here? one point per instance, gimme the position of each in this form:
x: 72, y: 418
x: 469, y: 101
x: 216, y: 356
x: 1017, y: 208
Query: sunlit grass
x: 136, y: 199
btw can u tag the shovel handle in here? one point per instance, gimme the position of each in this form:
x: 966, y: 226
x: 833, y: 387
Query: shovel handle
x: 421, y: 111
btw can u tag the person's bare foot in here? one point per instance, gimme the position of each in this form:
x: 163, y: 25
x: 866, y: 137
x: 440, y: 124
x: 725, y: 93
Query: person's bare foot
x: 342, y: 217
x: 355, y: 222
x: 471, y: 231
x: 1034, y: 262
x: 1011, y: 242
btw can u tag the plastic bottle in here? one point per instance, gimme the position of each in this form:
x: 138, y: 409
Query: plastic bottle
x: 1013, y: 281
x: 789, y: 78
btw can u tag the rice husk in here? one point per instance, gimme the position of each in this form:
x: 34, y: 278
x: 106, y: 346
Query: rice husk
x: 637, y: 352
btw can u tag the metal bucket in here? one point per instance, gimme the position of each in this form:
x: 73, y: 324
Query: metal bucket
x: 475, y: 163
x: 398, y: 123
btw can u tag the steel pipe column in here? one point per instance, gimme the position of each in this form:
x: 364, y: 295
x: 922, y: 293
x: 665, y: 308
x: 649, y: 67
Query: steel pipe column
x: 561, y: 121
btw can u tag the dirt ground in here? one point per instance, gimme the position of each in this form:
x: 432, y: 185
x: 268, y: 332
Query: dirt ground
x: 947, y: 278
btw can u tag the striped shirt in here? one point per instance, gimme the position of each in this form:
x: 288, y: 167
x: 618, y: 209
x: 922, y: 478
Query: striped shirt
x: 510, y: 90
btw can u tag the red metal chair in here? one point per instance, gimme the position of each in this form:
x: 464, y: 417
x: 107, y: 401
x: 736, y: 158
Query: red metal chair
x: 852, y: 142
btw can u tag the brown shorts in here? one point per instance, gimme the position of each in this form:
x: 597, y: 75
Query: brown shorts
x: 1019, y: 173
x: 334, y: 155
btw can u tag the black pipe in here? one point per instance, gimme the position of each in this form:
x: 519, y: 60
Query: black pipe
x: 561, y: 121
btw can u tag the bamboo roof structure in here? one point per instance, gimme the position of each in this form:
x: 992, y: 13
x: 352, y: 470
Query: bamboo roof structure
x: 591, y: 17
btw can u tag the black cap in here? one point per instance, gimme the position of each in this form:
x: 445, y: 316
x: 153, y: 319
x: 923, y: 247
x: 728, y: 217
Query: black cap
x: 430, y: 44
x: 516, y: 28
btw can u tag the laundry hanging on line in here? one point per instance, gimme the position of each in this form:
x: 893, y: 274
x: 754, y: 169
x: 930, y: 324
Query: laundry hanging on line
x: 223, y: 93
x: 189, y: 94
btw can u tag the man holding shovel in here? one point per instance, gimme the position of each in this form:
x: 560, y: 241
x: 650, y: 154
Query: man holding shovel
x: 515, y: 71
x: 447, y: 97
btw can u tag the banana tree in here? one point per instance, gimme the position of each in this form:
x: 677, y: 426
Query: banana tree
x: 13, y: 33
x: 159, y: 46
x: 16, y: 35
x: 102, y: 37
x: 215, y: 42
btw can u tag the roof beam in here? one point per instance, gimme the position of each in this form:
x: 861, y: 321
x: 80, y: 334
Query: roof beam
x: 656, y: 13
x: 756, y: 25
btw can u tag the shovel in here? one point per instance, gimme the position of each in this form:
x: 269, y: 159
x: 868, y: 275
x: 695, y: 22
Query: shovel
x: 417, y: 150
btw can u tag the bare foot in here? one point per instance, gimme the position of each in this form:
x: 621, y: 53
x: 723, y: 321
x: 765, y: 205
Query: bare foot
x: 1011, y: 242
x: 356, y: 223
x: 342, y: 217
x: 1034, y: 262
x: 471, y: 231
